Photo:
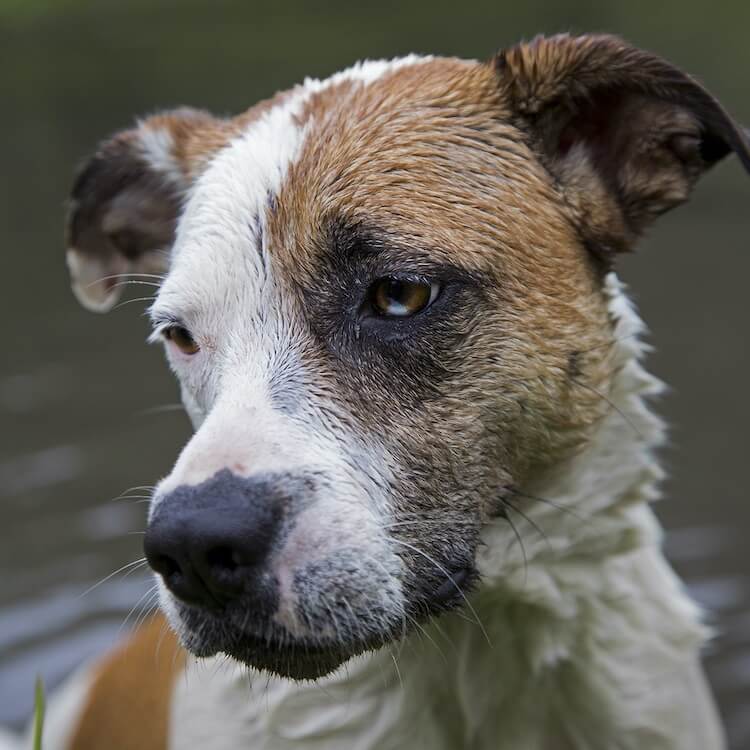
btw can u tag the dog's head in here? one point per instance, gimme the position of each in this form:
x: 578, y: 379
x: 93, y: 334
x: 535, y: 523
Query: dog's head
x: 386, y: 311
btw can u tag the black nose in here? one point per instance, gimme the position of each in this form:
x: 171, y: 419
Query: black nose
x: 210, y: 542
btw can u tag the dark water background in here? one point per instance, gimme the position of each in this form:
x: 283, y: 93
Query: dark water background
x: 79, y: 422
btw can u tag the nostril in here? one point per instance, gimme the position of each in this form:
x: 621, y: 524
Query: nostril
x: 165, y: 566
x: 223, y: 557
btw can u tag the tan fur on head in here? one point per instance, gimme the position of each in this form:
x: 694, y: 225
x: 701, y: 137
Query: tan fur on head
x: 445, y: 176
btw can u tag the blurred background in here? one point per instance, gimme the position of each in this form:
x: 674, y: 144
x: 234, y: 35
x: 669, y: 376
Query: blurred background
x: 88, y: 412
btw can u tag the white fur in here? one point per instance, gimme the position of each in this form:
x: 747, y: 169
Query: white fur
x: 157, y: 147
x: 91, y: 280
x: 588, y: 643
x: 365, y: 72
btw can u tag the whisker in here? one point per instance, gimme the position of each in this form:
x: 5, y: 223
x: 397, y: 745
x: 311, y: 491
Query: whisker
x: 612, y: 404
x: 423, y: 630
x: 147, y: 487
x: 125, y: 494
x: 141, y: 561
x: 131, y: 301
x: 546, y: 501
x: 398, y: 671
x: 523, y: 549
x: 147, y: 597
x: 127, y: 282
x: 163, y: 630
x: 450, y: 578
x: 127, y: 276
x: 528, y: 520
x: 159, y: 409
x: 147, y: 611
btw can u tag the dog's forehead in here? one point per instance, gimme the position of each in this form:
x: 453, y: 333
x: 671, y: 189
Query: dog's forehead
x: 228, y: 205
x: 420, y: 148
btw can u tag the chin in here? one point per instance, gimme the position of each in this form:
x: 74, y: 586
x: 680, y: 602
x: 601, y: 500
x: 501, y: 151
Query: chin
x: 295, y: 661
x: 278, y: 652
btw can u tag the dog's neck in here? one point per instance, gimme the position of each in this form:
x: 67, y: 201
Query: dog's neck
x: 573, y: 626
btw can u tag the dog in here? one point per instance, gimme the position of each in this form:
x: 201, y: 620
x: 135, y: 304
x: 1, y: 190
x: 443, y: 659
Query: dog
x: 415, y: 510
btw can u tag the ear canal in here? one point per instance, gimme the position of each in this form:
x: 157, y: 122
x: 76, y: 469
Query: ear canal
x: 125, y: 202
x: 624, y: 134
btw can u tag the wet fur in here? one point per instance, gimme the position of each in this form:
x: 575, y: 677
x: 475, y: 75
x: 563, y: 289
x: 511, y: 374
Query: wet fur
x: 499, y: 438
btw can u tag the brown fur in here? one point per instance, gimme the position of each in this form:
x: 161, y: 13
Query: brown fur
x: 624, y: 132
x: 129, y: 701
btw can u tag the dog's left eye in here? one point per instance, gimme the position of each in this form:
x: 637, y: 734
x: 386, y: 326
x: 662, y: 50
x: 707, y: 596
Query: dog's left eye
x: 182, y: 339
x: 399, y: 298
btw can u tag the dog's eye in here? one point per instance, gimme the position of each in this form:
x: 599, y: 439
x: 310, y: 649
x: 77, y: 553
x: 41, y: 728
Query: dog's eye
x: 391, y: 297
x: 182, y: 339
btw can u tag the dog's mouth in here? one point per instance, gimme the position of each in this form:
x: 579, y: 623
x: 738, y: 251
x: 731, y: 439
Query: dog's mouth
x: 296, y: 659
x: 277, y: 651
x: 273, y: 648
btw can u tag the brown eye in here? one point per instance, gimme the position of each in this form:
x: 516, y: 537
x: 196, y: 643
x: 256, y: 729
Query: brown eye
x: 182, y: 339
x: 399, y: 298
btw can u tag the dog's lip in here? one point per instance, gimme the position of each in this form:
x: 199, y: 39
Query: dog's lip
x: 230, y: 640
x: 452, y: 586
x: 274, y: 645
x: 294, y: 658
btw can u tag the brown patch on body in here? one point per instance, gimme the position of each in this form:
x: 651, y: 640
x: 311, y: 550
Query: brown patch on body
x: 129, y: 701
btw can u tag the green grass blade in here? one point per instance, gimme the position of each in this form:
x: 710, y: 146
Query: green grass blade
x: 38, y: 713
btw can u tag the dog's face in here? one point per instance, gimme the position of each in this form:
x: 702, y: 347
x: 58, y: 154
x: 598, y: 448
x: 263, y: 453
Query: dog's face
x: 386, y: 312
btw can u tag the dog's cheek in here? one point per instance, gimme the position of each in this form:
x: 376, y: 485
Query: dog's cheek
x: 337, y: 574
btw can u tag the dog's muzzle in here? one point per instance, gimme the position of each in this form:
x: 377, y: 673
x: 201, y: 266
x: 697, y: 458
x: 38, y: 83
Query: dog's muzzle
x: 264, y: 570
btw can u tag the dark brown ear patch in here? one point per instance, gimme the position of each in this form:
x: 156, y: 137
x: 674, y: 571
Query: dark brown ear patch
x: 121, y: 221
x: 625, y: 134
x: 120, y: 204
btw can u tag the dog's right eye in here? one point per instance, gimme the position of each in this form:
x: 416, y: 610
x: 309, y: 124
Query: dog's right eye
x: 182, y: 339
x: 392, y: 297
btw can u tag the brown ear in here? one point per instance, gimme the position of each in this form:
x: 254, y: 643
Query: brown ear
x: 624, y: 133
x: 126, y: 199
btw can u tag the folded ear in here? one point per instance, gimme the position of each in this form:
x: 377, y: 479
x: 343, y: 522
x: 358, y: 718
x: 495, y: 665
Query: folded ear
x: 624, y: 134
x: 126, y: 199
